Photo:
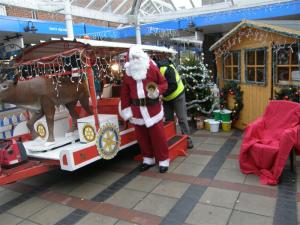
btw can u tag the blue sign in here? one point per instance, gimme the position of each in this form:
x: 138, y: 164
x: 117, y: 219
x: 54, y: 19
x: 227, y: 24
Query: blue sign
x: 17, y: 25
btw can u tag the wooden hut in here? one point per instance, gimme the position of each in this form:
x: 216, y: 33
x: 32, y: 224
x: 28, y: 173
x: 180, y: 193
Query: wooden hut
x: 262, y: 57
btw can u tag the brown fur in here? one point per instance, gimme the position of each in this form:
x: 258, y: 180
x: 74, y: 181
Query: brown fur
x: 40, y: 97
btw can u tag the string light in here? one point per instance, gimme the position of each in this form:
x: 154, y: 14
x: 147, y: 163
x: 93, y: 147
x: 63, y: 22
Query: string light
x: 115, y: 67
x: 250, y: 34
x: 70, y: 66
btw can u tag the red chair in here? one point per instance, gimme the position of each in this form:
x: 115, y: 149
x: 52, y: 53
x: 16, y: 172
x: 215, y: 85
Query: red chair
x: 269, y: 140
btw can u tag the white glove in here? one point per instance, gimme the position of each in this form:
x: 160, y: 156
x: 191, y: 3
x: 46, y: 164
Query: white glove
x: 153, y: 94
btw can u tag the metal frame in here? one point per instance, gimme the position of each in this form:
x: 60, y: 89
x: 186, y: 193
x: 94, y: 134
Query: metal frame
x: 163, y: 9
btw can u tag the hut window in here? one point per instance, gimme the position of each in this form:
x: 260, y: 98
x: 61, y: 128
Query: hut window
x: 255, y: 65
x: 231, y: 66
x: 286, y: 64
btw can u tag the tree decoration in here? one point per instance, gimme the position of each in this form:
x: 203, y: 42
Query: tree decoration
x: 233, y: 89
x: 290, y: 94
x: 198, y: 84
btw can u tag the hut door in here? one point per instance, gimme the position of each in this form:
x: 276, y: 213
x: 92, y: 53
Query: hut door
x: 257, y: 87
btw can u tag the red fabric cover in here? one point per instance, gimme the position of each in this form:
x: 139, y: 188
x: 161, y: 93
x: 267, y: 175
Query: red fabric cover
x: 268, y: 141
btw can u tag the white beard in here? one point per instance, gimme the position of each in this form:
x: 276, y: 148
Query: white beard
x: 137, y: 68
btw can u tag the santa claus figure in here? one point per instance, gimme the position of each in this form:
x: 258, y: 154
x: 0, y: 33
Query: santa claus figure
x: 140, y: 104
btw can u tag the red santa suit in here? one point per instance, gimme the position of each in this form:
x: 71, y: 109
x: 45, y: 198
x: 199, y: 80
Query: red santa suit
x: 145, y: 113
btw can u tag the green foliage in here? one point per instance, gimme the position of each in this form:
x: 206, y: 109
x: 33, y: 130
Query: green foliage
x: 290, y: 93
x: 232, y: 88
x: 197, y: 81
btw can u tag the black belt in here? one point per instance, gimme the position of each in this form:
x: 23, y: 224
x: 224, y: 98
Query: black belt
x: 144, y: 101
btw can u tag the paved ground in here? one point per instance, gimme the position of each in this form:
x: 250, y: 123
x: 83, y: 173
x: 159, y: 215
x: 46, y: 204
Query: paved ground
x: 204, y: 188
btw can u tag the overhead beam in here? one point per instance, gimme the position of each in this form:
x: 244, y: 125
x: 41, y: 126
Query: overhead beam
x: 165, y: 4
x: 75, y: 10
x: 155, y: 6
x: 135, y: 7
x: 143, y: 12
x: 173, y: 5
x: 144, y: 3
x: 120, y: 6
x: 94, y: 14
x: 108, y: 3
x: 192, y: 3
x: 90, y: 3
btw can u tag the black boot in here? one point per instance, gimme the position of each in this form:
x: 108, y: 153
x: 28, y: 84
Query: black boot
x: 190, y: 143
x: 144, y: 167
x: 163, y: 169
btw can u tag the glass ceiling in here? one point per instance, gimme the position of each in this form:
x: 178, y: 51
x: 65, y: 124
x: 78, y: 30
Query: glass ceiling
x: 148, y: 11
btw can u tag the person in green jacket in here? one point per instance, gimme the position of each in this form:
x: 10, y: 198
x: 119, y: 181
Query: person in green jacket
x: 174, y: 97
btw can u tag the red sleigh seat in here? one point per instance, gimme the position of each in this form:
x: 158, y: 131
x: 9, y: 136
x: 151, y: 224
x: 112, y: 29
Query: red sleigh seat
x: 268, y: 141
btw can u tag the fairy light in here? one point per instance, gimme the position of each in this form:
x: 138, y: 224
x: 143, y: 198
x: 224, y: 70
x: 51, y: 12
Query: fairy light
x: 115, y: 67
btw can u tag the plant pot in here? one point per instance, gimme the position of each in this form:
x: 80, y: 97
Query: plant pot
x: 214, y: 126
x: 206, y: 123
x: 226, y: 126
x: 217, y: 115
x: 225, y: 115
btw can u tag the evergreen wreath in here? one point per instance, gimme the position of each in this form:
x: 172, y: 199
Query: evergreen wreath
x: 291, y: 93
x: 232, y: 88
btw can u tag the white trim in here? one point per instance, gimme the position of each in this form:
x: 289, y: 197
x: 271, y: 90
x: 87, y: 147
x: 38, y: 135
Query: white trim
x: 137, y: 121
x: 146, y: 116
x: 164, y: 163
x: 150, y: 121
x: 149, y: 161
x: 70, y: 160
x: 13, y: 162
x: 147, y: 120
x: 127, y: 131
x: 155, y: 119
x: 140, y: 89
x: 126, y: 113
x: 127, y: 145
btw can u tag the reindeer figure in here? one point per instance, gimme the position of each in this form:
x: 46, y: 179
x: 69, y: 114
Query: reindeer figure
x: 39, y: 96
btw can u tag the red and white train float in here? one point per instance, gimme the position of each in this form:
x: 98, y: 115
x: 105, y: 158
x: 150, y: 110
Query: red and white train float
x: 66, y: 64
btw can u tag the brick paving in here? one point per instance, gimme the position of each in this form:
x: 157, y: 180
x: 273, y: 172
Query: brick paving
x: 204, y: 188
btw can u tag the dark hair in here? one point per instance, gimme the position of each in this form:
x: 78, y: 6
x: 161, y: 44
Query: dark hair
x: 155, y: 58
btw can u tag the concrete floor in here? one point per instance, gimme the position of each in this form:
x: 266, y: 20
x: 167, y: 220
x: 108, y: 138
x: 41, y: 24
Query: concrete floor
x: 204, y: 188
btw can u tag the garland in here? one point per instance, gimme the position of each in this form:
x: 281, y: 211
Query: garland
x: 231, y: 88
x: 291, y: 93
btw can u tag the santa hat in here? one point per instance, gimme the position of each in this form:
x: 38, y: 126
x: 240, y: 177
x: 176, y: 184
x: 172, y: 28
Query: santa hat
x: 136, y: 50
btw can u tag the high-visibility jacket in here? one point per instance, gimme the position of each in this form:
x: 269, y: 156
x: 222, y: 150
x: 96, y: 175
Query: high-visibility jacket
x: 180, y: 86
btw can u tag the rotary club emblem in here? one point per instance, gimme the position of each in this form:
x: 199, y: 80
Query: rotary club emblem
x: 41, y: 130
x: 108, y: 141
x: 88, y: 133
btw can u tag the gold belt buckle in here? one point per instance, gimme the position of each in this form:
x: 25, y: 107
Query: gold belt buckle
x: 142, y: 101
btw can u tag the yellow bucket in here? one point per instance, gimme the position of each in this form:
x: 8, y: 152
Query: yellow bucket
x: 206, y: 123
x: 226, y: 126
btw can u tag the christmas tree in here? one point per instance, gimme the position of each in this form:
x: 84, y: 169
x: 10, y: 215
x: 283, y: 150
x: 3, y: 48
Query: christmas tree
x: 198, y: 84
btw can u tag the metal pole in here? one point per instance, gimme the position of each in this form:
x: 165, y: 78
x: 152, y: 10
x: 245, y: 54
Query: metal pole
x: 138, y: 30
x: 68, y: 19
x: 91, y: 81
